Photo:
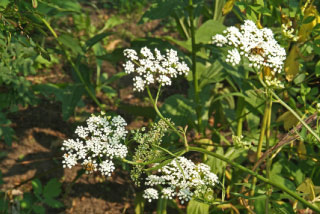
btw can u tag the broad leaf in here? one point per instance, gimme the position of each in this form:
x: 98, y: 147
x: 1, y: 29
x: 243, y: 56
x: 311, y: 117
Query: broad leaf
x: 52, y: 189
x: 196, y: 207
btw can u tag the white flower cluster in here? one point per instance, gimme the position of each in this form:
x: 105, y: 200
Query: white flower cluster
x: 274, y: 82
x: 288, y: 31
x: 99, y: 143
x: 181, y: 178
x: 153, y: 67
x: 257, y: 45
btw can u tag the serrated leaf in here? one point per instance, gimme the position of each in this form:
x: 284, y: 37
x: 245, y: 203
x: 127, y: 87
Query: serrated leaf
x: 37, y: 186
x: 52, y: 189
x: 196, y: 207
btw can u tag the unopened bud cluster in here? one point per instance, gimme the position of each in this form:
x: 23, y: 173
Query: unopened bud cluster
x: 97, y: 144
x: 153, y: 67
x: 238, y: 142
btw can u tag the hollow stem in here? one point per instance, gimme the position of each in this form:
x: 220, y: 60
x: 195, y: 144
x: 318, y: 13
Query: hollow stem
x: 262, y: 134
x: 241, y: 110
x: 154, y: 103
x: 269, y: 161
x: 194, y: 67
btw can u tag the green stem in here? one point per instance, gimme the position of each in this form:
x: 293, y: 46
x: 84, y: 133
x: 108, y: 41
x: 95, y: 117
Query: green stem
x: 177, y: 154
x: 241, y: 109
x: 75, y: 68
x: 154, y: 103
x: 296, y: 115
x: 255, y: 174
x: 262, y: 134
x: 269, y: 161
x: 194, y: 67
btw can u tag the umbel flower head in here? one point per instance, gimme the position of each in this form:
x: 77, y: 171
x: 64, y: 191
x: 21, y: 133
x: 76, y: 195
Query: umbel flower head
x: 180, y: 178
x: 98, y: 144
x: 257, y: 45
x: 153, y: 67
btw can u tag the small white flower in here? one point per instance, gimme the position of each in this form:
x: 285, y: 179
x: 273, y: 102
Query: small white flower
x: 151, y: 194
x: 101, y: 142
x: 257, y: 45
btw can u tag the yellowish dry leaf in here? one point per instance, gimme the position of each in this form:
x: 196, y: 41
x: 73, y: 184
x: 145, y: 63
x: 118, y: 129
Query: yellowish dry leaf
x: 307, y: 187
x: 228, y: 7
x: 291, y: 65
x: 302, y: 151
x: 306, y: 29
x: 288, y: 119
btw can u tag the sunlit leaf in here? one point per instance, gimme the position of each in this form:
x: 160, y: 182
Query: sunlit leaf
x: 310, y: 20
x: 288, y: 119
x: 228, y: 7
x: 302, y: 151
x: 196, y: 207
x: 291, y: 65
x: 307, y: 187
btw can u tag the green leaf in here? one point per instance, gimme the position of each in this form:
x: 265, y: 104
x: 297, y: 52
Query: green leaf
x: 97, y: 38
x: 207, y: 30
x: 37, y: 186
x: 308, y: 19
x: 196, y: 207
x: 114, y: 77
x: 283, y: 208
x: 4, y: 3
x: 317, y: 69
x: 71, y: 43
x: 52, y: 189
x: 38, y: 209
x: 53, y: 203
x: 259, y: 205
x: 144, y: 111
x: 179, y: 109
x: 109, y: 91
x: 160, y: 10
x: 69, y: 96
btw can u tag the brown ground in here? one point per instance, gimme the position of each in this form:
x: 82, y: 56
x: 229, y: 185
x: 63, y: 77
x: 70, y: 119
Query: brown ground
x: 40, y: 131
